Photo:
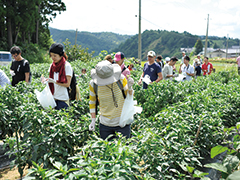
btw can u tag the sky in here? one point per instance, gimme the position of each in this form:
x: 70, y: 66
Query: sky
x: 121, y: 16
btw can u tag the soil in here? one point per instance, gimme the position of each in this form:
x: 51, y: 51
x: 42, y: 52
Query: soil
x: 11, y: 174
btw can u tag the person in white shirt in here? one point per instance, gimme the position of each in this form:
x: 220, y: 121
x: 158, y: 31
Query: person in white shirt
x: 186, y: 69
x: 183, y: 56
x: 60, y: 76
x: 168, y: 69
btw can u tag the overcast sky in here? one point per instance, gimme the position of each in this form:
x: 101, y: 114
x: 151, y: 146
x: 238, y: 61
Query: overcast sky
x: 118, y: 16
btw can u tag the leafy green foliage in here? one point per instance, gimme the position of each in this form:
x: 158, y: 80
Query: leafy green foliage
x: 57, y: 144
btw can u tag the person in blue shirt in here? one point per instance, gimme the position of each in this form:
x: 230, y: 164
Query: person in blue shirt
x: 151, y: 69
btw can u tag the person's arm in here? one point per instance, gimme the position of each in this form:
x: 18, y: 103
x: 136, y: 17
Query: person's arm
x: 69, y: 78
x: 180, y: 69
x: 27, y: 77
x: 140, y: 80
x: 191, y: 72
x: 159, y: 77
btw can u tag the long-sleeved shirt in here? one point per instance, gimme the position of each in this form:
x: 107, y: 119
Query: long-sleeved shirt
x: 126, y: 72
x: 109, y: 114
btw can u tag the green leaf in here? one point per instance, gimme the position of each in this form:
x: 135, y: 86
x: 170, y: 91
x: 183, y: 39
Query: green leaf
x: 217, y: 166
x: 238, y: 125
x: 190, y: 169
x: 234, y: 176
x: 217, y: 150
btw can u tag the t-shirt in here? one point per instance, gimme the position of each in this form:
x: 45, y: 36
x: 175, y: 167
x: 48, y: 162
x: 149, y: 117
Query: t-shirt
x: 167, y: 70
x: 187, y: 69
x: 60, y: 92
x: 198, y: 70
x: 207, y: 67
x: 126, y: 72
x: 19, y: 68
x: 151, y: 70
x: 4, y: 80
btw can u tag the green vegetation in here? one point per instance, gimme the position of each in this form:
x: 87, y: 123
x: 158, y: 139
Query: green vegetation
x: 93, y: 41
x: 58, y: 145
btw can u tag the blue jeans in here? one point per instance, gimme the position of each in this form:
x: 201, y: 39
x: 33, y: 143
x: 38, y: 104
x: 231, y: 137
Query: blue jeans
x: 105, y: 131
x: 61, y: 105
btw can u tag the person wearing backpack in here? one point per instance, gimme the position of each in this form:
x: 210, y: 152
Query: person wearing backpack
x: 60, y: 76
x: 111, y: 88
x: 20, y: 68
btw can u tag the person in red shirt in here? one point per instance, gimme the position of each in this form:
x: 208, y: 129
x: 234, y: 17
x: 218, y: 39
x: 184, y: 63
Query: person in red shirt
x: 207, y: 67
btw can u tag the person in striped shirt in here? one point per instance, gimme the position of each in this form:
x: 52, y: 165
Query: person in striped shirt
x: 110, y: 98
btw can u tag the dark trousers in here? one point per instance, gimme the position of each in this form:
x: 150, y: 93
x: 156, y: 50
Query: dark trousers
x: 105, y: 131
x: 61, y: 105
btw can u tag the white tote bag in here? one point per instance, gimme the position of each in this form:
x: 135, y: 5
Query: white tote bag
x: 45, y: 97
x: 128, y: 110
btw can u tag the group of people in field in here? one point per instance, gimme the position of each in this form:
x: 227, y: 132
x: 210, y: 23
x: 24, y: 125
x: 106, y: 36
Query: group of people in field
x: 111, y: 82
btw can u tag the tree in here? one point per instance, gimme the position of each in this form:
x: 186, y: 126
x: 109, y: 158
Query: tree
x: 215, y: 46
x: 198, y: 47
x: 25, y: 21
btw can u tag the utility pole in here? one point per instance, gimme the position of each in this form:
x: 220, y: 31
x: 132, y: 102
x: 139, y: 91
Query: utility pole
x: 227, y: 48
x: 76, y: 37
x: 139, y: 34
x: 205, y: 50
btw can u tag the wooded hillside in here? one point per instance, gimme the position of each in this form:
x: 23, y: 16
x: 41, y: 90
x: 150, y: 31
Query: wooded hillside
x: 93, y: 41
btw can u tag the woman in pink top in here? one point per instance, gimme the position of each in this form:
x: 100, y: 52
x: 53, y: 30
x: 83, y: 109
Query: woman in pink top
x: 119, y: 59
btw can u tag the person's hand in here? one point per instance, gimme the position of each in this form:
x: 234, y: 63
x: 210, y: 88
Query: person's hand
x: 130, y: 83
x: 12, y: 73
x: 140, y: 81
x: 92, y: 125
x: 43, y: 79
x: 51, y: 80
x: 175, y: 75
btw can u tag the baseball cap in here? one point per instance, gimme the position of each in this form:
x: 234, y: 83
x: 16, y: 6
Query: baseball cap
x: 118, y: 56
x: 167, y: 59
x: 151, y: 53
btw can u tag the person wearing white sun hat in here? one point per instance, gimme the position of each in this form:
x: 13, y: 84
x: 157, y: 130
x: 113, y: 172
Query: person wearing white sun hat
x: 106, y: 76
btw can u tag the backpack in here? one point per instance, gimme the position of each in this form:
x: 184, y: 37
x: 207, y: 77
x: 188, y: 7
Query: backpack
x: 73, y: 89
x: 95, y: 87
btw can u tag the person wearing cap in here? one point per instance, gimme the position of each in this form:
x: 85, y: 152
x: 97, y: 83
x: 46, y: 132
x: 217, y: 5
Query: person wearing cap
x: 187, y: 69
x: 183, y: 56
x: 238, y: 63
x: 199, y: 59
x: 207, y: 67
x: 167, y: 59
x: 110, y: 98
x: 167, y: 71
x: 60, y: 75
x: 151, y: 69
x: 195, y: 62
x: 119, y: 59
x: 20, y: 68
x: 198, y: 69
x: 109, y: 58
x: 159, y: 60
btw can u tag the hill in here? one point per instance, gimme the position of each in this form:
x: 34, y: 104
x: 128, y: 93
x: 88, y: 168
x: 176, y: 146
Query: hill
x: 93, y: 41
x: 168, y: 43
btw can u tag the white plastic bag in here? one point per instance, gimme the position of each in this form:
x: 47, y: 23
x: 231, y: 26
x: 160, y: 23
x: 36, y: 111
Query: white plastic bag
x: 45, y: 97
x: 146, y: 79
x: 128, y: 110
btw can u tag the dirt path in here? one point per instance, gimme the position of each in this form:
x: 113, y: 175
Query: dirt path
x: 12, y: 174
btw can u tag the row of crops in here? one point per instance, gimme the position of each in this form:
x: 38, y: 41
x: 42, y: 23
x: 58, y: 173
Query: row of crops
x: 57, y: 144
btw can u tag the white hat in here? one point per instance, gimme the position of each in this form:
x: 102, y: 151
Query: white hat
x: 151, y: 53
x: 106, y: 73
x: 167, y: 59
